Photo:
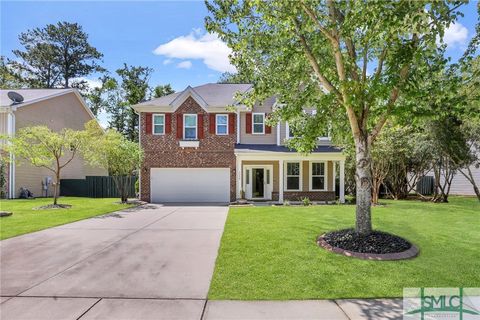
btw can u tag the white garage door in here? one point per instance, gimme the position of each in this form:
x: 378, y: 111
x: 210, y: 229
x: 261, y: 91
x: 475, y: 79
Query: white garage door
x: 190, y: 185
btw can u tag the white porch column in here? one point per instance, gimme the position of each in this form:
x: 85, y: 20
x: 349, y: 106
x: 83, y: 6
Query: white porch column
x: 238, y: 173
x: 342, y: 181
x: 334, y: 166
x: 280, y: 181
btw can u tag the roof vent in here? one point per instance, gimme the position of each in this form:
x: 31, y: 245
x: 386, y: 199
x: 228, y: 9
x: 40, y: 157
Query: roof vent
x: 15, y: 97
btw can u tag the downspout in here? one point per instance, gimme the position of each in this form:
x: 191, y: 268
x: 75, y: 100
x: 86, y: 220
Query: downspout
x: 11, y: 171
x: 238, y: 126
x: 140, y: 145
x: 278, y: 133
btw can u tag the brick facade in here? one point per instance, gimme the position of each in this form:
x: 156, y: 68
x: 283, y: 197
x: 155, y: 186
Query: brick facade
x: 163, y: 151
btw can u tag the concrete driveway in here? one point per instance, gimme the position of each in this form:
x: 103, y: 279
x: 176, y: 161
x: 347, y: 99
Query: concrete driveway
x: 148, y: 262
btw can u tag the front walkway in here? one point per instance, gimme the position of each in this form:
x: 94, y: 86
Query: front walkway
x: 151, y: 262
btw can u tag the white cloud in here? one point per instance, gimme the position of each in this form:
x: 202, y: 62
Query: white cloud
x: 207, y: 47
x: 187, y: 64
x: 455, y: 34
x: 167, y: 61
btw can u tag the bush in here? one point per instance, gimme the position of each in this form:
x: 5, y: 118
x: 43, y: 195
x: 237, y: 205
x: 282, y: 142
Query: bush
x: 306, y: 201
x: 137, y: 186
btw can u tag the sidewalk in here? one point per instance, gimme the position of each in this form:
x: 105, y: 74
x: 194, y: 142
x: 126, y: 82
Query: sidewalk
x: 353, y: 309
x: 39, y: 308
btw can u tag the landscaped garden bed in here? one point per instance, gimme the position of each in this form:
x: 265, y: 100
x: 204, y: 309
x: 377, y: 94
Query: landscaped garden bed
x: 374, y: 246
x: 272, y: 252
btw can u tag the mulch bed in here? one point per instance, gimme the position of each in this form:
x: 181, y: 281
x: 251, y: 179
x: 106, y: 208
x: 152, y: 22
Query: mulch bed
x: 54, y: 206
x: 377, y: 245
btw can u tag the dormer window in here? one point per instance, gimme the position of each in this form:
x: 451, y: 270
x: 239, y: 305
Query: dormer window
x: 258, y: 123
x: 190, y: 126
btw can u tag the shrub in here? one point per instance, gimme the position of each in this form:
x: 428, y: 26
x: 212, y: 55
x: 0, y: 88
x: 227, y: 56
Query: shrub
x: 306, y: 201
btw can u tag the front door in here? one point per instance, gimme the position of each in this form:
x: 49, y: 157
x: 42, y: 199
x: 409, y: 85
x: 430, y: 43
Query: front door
x: 258, y: 183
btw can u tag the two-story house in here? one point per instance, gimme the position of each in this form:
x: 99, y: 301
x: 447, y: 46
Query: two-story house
x: 55, y: 108
x: 197, y: 149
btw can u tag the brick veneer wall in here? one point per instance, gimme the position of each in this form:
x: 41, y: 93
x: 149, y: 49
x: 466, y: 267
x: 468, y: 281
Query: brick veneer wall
x: 163, y: 151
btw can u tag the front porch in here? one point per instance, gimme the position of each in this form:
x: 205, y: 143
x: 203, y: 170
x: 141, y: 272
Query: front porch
x: 284, y: 175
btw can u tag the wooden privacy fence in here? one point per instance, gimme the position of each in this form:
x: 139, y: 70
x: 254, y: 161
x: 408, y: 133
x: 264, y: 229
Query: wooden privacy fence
x: 94, y: 187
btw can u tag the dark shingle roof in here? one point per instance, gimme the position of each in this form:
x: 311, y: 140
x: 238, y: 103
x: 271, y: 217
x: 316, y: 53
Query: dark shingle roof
x: 30, y: 95
x: 214, y: 94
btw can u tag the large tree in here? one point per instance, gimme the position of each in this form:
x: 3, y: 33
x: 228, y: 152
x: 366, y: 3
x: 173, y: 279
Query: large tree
x: 352, y: 60
x: 116, y: 95
x: 162, y: 90
x: 9, y: 79
x: 133, y: 89
x: 55, y: 54
x: 229, y: 77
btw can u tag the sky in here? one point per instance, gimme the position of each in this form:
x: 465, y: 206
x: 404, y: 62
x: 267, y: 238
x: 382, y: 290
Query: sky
x: 169, y: 37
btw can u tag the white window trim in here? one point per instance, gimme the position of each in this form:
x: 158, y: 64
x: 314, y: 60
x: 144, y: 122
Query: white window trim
x: 310, y: 176
x: 153, y: 124
x: 287, y: 131
x: 285, y: 170
x: 253, y: 122
x: 216, y: 124
x: 185, y: 127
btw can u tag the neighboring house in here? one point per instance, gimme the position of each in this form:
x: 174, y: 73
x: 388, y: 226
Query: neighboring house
x: 199, y: 150
x: 460, y: 185
x: 56, y: 109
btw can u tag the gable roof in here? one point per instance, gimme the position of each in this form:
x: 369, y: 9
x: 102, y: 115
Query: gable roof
x: 31, y: 96
x: 207, y: 95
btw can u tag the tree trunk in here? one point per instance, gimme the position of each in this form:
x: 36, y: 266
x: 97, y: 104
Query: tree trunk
x: 363, y: 179
x: 55, y: 189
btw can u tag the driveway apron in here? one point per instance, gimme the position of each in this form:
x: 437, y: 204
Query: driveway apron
x: 155, y: 259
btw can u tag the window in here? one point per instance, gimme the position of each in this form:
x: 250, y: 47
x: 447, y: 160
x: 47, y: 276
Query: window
x: 190, y: 126
x: 221, y: 124
x: 317, y: 176
x: 247, y: 177
x: 158, y: 124
x: 258, y: 123
x: 293, y: 175
x: 289, y: 131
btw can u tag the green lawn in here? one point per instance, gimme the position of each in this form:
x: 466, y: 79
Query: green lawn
x: 26, y: 220
x: 270, y: 252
